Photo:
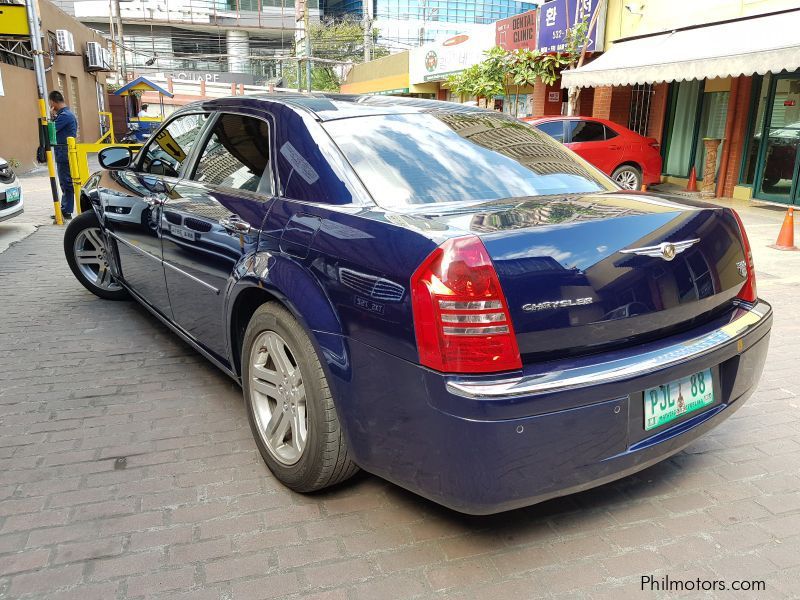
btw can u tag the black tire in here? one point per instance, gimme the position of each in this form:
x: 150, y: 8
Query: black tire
x: 324, y: 459
x: 78, y: 227
x: 627, y: 177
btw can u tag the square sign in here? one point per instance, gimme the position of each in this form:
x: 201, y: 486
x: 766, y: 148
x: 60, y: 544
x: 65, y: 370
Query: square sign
x: 556, y: 16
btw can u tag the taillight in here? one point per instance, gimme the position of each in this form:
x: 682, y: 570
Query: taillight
x: 461, y: 317
x: 748, y: 292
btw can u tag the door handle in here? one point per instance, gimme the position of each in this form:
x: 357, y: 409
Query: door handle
x: 235, y: 224
x: 157, y: 200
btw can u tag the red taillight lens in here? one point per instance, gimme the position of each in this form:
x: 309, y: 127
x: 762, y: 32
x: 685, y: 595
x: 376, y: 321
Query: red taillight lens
x: 748, y: 292
x: 461, y: 317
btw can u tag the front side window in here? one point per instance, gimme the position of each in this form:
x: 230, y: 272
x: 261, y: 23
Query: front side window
x: 236, y: 155
x: 171, y: 146
x: 459, y: 157
x: 586, y: 131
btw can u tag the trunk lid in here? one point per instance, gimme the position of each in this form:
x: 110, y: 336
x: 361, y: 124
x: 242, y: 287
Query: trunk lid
x: 587, y: 273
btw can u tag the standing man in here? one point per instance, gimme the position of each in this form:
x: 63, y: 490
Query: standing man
x: 66, y: 126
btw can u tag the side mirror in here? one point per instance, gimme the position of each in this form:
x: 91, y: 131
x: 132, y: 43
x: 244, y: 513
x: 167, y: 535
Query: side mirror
x: 115, y: 159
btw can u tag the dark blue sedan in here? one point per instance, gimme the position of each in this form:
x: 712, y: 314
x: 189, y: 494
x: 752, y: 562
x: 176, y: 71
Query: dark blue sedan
x: 437, y: 294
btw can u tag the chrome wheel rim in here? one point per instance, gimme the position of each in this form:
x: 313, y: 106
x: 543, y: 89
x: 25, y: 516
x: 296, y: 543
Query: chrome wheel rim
x: 92, y: 260
x: 627, y: 180
x: 278, y: 398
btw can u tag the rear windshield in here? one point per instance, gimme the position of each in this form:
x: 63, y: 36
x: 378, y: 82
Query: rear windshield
x: 432, y: 158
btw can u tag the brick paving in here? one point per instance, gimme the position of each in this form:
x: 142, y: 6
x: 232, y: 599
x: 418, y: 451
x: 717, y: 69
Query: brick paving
x: 127, y: 470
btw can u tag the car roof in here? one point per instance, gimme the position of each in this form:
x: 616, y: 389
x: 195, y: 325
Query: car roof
x: 328, y: 107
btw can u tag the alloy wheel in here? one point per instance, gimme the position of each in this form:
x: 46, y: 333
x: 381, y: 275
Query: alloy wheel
x: 627, y: 180
x: 92, y: 260
x: 278, y: 398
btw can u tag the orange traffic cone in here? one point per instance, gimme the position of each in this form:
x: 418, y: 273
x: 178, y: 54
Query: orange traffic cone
x: 786, y: 236
x: 692, y: 185
x: 644, y: 187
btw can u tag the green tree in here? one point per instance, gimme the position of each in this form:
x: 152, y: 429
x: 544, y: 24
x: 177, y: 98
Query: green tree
x: 337, y: 40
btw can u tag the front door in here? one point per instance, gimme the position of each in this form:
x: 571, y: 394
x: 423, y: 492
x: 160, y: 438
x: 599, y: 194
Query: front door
x: 779, y: 152
x: 214, y: 221
x: 132, y: 202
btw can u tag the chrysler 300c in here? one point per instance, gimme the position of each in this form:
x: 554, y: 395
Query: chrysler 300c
x: 438, y: 294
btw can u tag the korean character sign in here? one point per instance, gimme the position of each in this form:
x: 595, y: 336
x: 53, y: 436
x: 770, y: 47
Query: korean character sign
x: 556, y: 16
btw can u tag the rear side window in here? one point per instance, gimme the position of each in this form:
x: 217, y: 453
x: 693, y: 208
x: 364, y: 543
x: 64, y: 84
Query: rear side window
x: 555, y: 129
x: 171, y: 146
x: 236, y: 155
x: 587, y: 131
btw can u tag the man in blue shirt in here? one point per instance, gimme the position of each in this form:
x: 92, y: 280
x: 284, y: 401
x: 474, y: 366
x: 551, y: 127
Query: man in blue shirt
x: 66, y: 126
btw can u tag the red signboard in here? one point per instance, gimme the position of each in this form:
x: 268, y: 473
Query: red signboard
x: 517, y: 32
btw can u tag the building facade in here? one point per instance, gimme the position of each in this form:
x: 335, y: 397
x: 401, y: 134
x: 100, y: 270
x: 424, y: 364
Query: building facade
x: 404, y: 24
x: 246, y: 39
x: 692, y: 74
x: 84, y: 90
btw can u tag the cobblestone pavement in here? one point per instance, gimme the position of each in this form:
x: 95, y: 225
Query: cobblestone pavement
x: 127, y: 469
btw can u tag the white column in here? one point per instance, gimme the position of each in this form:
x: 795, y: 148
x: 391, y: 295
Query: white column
x: 238, y: 49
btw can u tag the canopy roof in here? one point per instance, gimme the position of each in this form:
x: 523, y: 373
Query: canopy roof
x: 140, y: 84
x: 760, y: 44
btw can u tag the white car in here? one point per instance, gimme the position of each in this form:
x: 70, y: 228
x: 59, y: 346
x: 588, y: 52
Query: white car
x: 10, y: 192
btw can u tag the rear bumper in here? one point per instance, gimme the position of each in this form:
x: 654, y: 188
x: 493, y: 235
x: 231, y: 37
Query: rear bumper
x: 485, y: 445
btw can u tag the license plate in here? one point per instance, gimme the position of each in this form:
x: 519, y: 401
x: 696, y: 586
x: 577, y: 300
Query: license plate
x: 12, y: 194
x: 667, y: 402
x: 181, y: 232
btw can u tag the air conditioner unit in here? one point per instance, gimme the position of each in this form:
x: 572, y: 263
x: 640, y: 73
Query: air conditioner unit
x: 106, y: 56
x: 65, y: 43
x: 94, y: 56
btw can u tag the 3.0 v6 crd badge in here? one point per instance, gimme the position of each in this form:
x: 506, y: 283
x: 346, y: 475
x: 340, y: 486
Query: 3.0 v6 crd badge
x: 533, y: 307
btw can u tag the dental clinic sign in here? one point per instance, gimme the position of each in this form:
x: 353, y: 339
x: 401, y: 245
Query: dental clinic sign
x: 434, y: 62
x: 556, y: 16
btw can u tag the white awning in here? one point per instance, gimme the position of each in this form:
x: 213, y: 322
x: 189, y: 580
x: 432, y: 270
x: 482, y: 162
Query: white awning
x: 769, y: 43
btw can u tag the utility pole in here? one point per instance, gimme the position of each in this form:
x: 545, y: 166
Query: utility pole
x: 366, y: 9
x: 113, y: 36
x: 307, y: 30
x: 41, y: 88
x: 123, y: 61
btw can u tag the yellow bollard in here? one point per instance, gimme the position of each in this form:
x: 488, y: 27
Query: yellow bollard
x: 74, y: 172
x: 51, y: 166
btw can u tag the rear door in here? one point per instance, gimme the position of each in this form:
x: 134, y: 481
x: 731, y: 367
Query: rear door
x: 132, y: 201
x: 593, y: 141
x: 214, y: 220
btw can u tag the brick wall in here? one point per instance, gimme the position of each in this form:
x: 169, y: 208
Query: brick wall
x: 658, y: 111
x: 738, y: 114
x: 541, y: 105
x: 612, y: 103
x: 585, y: 102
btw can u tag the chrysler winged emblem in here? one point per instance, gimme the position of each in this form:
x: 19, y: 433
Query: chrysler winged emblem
x: 665, y: 250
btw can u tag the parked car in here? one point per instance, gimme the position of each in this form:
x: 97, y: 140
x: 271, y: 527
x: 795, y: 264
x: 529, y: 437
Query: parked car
x: 628, y: 158
x: 11, y: 203
x: 440, y: 295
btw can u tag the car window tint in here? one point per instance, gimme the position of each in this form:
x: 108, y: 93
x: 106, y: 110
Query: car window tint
x: 458, y: 157
x: 309, y: 166
x: 610, y: 133
x: 555, y: 129
x: 236, y: 154
x: 171, y: 146
x: 587, y: 131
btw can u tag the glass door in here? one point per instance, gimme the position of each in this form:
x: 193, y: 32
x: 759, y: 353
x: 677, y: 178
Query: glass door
x: 777, y: 173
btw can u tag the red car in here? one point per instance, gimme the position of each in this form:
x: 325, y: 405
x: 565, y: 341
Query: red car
x: 628, y: 158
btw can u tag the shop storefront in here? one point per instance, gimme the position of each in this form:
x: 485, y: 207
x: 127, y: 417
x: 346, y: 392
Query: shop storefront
x: 733, y: 85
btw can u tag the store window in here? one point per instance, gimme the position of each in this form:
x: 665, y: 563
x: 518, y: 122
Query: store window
x: 695, y: 113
